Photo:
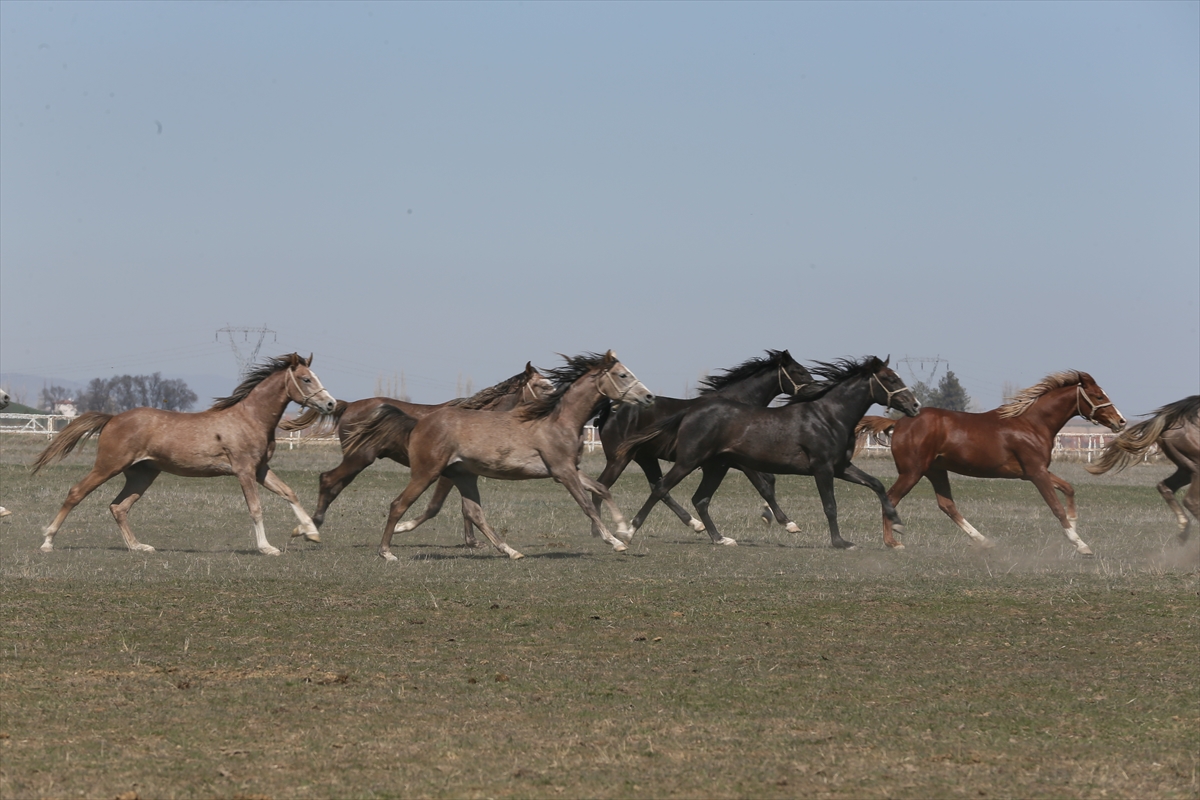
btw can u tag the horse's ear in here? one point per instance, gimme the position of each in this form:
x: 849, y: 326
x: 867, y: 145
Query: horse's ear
x: 610, y: 357
x: 293, y: 360
x: 788, y: 354
x: 529, y: 370
x: 309, y: 362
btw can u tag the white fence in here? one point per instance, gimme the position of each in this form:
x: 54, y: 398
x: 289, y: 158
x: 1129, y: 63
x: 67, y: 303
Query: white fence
x: 1071, y: 445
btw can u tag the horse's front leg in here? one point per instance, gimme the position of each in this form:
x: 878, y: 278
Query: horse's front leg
x: 248, y: 480
x: 601, y: 494
x: 468, y: 487
x: 659, y: 490
x: 824, y: 480
x: 572, y: 480
x: 307, y: 528
x: 853, y: 474
x: 653, y: 473
x: 1046, y: 482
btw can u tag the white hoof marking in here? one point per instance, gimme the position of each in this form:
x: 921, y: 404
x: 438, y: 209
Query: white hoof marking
x: 46, y: 547
x: 792, y: 527
x: 401, y: 527
x: 625, y: 534
x: 619, y: 547
x: 266, y: 551
x: 1084, y: 550
x: 725, y: 540
x: 697, y: 525
x: 388, y: 556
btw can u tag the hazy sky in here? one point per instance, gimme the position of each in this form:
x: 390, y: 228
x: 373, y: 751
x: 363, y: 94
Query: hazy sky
x: 451, y: 189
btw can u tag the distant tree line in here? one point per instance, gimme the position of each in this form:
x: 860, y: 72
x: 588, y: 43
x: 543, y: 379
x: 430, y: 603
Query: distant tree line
x: 124, y: 392
x: 948, y: 393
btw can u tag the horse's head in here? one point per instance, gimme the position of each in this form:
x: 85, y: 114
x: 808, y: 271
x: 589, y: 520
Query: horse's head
x: 616, y: 382
x: 889, y: 391
x: 304, y: 387
x: 1093, y: 404
x: 4, y: 399
x: 536, y: 384
x: 792, y: 375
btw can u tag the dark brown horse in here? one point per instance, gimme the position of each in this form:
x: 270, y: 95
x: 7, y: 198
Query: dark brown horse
x: 522, y: 388
x: 234, y: 437
x: 540, y: 440
x: 812, y: 435
x: 1175, y: 428
x: 1012, y: 441
x: 755, y: 382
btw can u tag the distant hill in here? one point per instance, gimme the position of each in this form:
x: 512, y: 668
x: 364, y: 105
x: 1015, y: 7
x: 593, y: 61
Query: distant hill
x: 17, y: 408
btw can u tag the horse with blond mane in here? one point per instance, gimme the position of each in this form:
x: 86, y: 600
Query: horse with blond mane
x: 1012, y: 441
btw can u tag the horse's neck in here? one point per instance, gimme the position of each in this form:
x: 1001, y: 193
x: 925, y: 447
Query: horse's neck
x: 576, y: 404
x: 756, y: 391
x: 1054, y: 409
x: 848, y: 402
x: 267, y: 401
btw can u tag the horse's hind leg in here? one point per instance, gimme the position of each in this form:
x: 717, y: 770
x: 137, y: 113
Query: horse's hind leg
x: 89, y: 484
x: 440, y: 493
x: 418, y: 482
x: 335, y: 480
x: 137, y: 480
x: 307, y: 528
x: 468, y: 487
x: 764, y: 484
x: 904, y: 484
x: 945, y: 500
x: 653, y: 472
x: 712, y: 475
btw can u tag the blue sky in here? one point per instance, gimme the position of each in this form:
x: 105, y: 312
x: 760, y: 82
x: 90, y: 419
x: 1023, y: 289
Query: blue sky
x: 448, y: 190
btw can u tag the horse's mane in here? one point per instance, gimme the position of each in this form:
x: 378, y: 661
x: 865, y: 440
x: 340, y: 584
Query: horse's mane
x: 747, y: 369
x: 1023, y: 399
x: 254, y: 376
x: 1137, y: 439
x: 489, y: 396
x: 562, y: 378
x: 833, y: 374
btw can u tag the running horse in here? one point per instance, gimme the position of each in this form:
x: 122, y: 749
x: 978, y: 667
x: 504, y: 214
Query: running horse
x: 1012, y: 441
x: 522, y: 388
x: 812, y: 435
x: 234, y: 437
x: 539, y: 440
x: 4, y: 401
x: 755, y: 382
x: 1175, y: 428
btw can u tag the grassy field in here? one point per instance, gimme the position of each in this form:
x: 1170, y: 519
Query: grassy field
x: 778, y: 668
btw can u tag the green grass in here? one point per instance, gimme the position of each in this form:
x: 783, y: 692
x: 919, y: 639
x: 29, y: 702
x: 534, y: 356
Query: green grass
x: 774, y: 669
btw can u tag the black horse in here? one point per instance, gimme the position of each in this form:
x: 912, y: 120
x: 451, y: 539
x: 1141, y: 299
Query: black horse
x: 812, y: 435
x: 756, y: 382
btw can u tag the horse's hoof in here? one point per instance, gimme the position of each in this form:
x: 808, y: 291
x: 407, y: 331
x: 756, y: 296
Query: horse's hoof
x: 4, y: 512
x: 625, y: 534
x: 842, y: 544
x: 46, y: 548
x: 266, y: 551
x: 388, y: 555
x: 896, y: 546
x: 619, y: 547
x: 897, y: 527
x: 145, y: 548
x: 401, y: 527
x: 792, y: 527
x: 514, y: 555
x: 726, y: 541
x: 1084, y: 551
x: 987, y: 544
x: 697, y: 525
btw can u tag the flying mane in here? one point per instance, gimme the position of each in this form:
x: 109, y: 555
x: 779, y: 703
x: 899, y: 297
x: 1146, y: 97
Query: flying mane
x: 832, y: 374
x: 748, y: 368
x: 254, y: 377
x: 489, y: 396
x: 1027, y: 397
x: 562, y: 378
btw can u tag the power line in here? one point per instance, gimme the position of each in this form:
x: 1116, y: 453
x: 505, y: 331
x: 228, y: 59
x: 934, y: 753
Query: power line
x: 245, y: 361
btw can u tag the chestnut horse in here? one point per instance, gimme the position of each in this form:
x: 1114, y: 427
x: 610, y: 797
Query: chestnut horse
x: 524, y: 387
x: 1012, y: 441
x: 1175, y: 428
x: 234, y: 437
x: 812, y: 435
x: 756, y: 382
x: 539, y: 440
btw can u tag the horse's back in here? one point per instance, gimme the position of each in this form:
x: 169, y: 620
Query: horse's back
x: 969, y: 443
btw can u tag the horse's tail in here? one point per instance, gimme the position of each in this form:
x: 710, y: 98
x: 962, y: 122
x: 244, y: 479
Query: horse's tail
x: 83, y: 426
x: 380, y: 430
x: 668, y: 426
x: 311, y: 416
x: 1130, y: 445
x: 879, y: 427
